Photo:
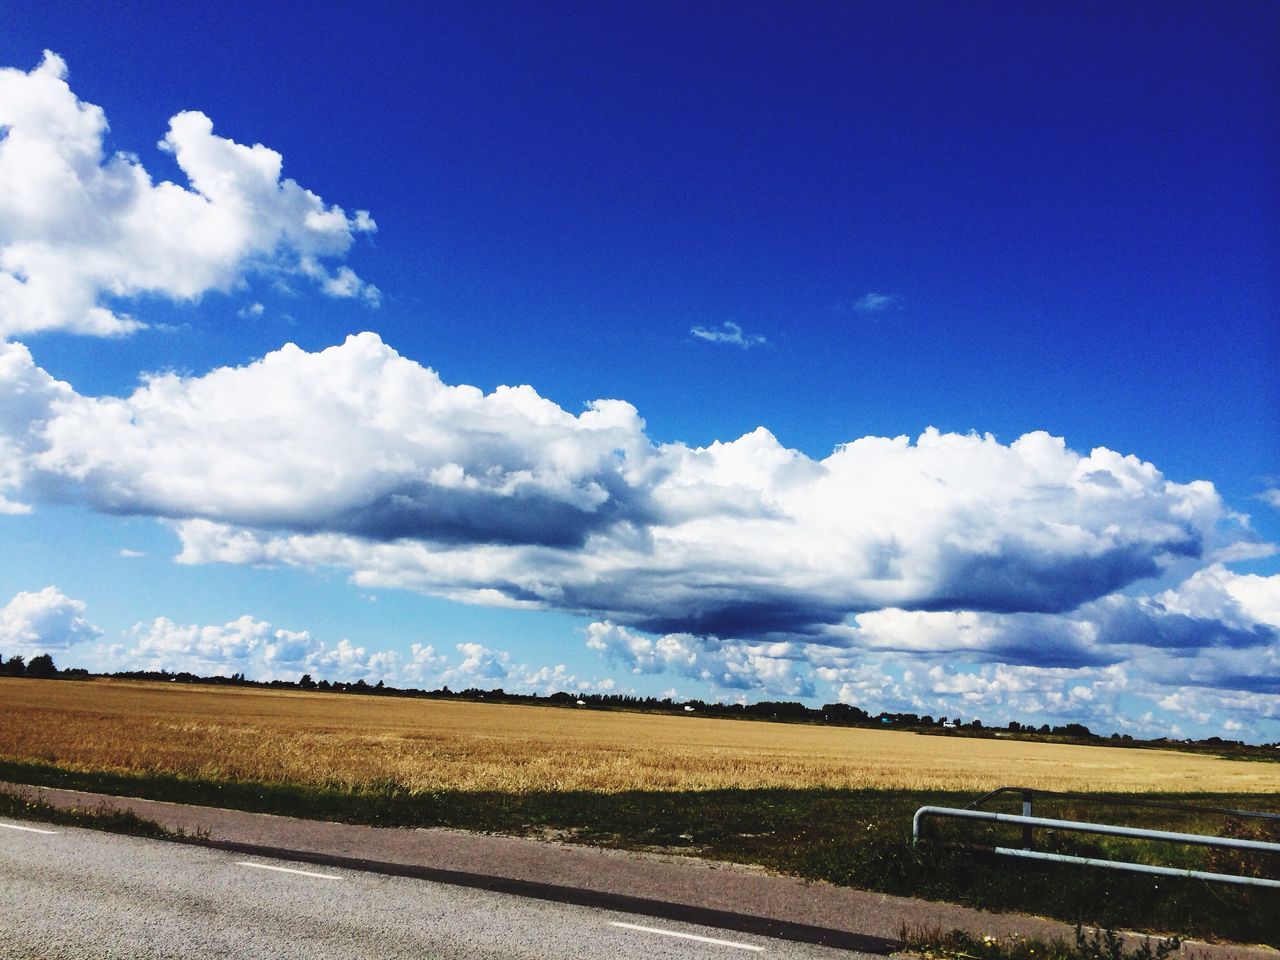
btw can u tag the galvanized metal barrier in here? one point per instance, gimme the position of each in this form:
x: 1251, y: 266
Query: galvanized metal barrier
x: 1030, y: 793
x: 1028, y: 823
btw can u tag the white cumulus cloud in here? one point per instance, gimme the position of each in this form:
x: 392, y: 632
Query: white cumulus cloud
x: 358, y: 458
x: 354, y: 439
x: 257, y: 649
x: 1213, y: 613
x: 82, y: 231
x: 262, y: 651
x: 43, y: 621
x: 774, y: 668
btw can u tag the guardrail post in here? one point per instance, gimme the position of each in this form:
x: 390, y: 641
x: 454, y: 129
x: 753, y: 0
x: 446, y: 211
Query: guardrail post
x: 1026, y: 812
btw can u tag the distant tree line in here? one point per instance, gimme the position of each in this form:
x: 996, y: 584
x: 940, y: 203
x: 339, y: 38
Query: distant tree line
x: 830, y: 714
x: 41, y: 667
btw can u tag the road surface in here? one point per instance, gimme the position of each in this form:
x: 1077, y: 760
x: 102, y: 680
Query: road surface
x: 70, y: 893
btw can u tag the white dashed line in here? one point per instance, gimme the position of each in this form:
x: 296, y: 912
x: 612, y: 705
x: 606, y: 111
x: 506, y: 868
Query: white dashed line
x: 301, y: 873
x: 687, y: 936
x: 14, y: 826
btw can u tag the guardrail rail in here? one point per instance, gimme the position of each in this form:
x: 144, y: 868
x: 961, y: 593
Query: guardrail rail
x: 1029, y: 823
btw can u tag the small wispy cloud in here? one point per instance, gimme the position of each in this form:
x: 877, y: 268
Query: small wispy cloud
x: 130, y: 554
x: 729, y: 333
x: 1243, y: 550
x: 252, y: 310
x: 1271, y: 497
x: 877, y: 302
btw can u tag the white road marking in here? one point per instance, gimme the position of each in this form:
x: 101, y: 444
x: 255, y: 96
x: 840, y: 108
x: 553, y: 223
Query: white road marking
x: 14, y: 826
x: 301, y: 873
x: 687, y: 936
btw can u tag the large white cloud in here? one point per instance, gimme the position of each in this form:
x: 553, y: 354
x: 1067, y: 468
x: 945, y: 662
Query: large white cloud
x: 359, y: 458
x: 43, y: 621
x: 81, y: 230
x: 354, y: 439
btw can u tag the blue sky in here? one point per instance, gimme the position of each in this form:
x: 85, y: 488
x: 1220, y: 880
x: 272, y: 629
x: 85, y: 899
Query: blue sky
x: 838, y: 222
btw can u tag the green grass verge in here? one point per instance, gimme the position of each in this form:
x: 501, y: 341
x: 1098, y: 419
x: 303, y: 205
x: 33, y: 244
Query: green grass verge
x: 857, y: 838
x: 959, y: 945
x: 18, y: 805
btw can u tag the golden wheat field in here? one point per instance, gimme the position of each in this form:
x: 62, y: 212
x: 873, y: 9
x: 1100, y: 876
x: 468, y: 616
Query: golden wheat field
x: 424, y: 745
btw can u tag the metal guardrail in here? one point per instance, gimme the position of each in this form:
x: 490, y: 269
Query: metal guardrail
x: 1028, y: 823
x: 1028, y: 793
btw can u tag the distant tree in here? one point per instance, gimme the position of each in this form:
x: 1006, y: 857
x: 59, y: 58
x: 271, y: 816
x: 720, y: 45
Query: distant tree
x: 42, y: 667
x: 773, y: 708
x: 845, y: 713
x: 306, y: 683
x: 1073, y: 730
x: 14, y: 667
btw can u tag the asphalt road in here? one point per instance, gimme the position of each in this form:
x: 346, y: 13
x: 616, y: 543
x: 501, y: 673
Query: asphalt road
x: 69, y: 893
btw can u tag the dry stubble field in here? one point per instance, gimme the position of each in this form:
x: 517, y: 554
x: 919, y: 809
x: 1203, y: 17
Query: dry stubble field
x: 430, y: 745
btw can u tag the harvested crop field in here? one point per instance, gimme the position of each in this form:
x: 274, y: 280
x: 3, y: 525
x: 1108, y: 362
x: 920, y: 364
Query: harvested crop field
x: 369, y: 742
